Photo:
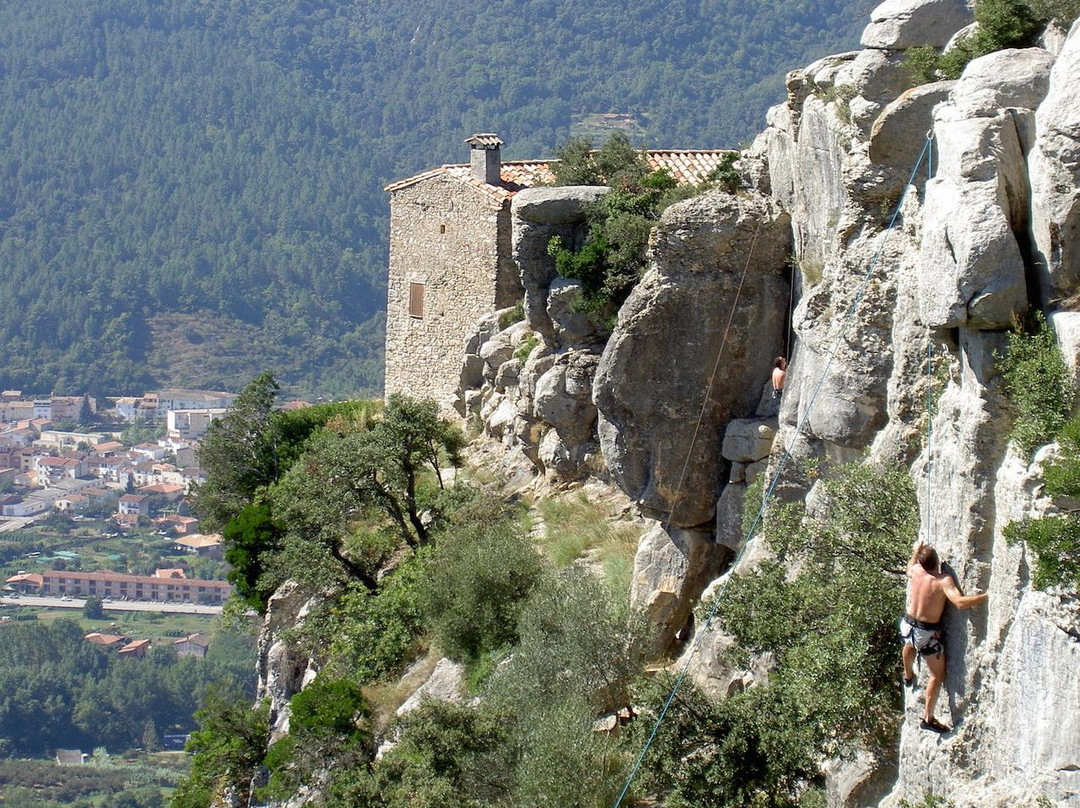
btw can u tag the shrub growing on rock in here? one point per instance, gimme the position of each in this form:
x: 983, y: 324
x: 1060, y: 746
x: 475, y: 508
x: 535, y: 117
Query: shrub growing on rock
x: 1055, y: 539
x: 823, y: 610
x: 1001, y: 24
x: 1037, y: 383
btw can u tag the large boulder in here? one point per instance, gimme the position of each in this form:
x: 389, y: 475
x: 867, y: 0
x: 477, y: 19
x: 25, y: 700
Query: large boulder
x: 874, y: 78
x: 715, y: 282
x: 671, y: 568
x: 537, y: 215
x: 971, y: 265
x: 1055, y: 177
x: 563, y: 396
x: 748, y: 439
x: 572, y: 326
x: 729, y: 513
x: 446, y: 684
x: 1015, y: 77
x: 903, y: 24
x: 899, y: 133
x: 836, y: 394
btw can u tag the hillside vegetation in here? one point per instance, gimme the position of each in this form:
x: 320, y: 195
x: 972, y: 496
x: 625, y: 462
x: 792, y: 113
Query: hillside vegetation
x: 190, y: 192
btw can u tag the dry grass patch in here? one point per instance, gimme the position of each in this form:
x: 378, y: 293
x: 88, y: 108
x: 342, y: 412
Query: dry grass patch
x: 575, y: 527
x: 386, y: 697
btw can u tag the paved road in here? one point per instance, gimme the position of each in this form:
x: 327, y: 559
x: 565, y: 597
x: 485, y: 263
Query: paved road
x: 17, y: 523
x: 114, y: 606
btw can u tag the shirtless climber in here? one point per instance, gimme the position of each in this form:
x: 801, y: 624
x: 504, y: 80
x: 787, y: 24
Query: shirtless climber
x: 779, y: 376
x: 921, y: 629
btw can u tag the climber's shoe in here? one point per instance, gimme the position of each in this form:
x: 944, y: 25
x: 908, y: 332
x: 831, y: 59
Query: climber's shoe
x: 934, y: 725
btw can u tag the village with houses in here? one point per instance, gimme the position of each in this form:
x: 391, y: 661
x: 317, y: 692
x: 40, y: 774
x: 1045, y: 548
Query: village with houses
x: 49, y: 468
x: 95, y: 522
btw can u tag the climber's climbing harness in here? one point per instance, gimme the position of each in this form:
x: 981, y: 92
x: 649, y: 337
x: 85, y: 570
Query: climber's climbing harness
x: 799, y: 428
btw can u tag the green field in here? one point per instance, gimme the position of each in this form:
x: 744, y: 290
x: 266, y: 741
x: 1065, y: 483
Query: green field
x: 158, y: 627
x: 146, y: 781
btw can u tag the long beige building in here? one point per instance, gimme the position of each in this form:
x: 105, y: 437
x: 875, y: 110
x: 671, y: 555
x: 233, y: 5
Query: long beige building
x: 119, y: 585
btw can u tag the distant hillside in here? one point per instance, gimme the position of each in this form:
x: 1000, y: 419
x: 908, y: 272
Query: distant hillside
x: 190, y: 192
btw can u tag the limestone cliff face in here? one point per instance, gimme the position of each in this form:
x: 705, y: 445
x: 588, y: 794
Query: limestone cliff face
x: 964, y: 260
x: 993, y: 231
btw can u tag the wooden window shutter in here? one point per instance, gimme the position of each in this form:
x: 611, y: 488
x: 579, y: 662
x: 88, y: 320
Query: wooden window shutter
x: 416, y: 300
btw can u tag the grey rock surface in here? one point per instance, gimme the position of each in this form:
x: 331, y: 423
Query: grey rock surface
x: 1055, y: 177
x: 1066, y: 326
x: 748, y: 439
x: 538, y: 215
x: 656, y: 370
x: 876, y: 75
x: 446, y: 684
x: 972, y: 269
x: 1015, y: 77
x: 563, y: 396
x: 899, y: 133
x: 729, y: 514
x: 282, y: 668
x: 495, y: 352
x: 902, y: 24
x: 572, y: 327
x: 671, y: 568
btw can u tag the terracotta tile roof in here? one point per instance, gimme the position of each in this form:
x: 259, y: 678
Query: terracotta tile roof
x: 26, y: 578
x: 687, y: 166
x: 515, y: 176
x: 134, y: 498
x: 135, y: 646
x: 97, y: 638
x: 486, y: 140
x: 174, y: 519
x: 199, y: 540
x: 162, y: 488
x: 195, y: 639
x: 176, y: 573
x: 58, y: 462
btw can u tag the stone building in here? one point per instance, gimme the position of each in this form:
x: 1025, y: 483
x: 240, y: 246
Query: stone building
x: 450, y: 264
x: 451, y: 258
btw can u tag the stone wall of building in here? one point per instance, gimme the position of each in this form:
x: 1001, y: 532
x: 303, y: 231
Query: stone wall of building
x: 446, y: 235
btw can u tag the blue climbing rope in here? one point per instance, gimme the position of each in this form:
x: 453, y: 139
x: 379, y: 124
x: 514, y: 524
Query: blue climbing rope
x: 799, y: 428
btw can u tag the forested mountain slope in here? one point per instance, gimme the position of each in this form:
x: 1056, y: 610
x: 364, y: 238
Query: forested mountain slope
x: 191, y: 191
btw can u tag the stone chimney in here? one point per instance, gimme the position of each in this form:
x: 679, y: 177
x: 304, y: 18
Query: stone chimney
x: 485, y: 159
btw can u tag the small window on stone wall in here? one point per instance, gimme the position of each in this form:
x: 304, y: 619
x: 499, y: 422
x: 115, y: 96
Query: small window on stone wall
x: 416, y: 300
x: 442, y: 229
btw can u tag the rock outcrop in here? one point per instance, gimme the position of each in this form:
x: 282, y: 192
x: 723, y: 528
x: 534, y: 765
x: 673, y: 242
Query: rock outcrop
x: 1055, y: 177
x: 715, y: 287
x: 990, y: 235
